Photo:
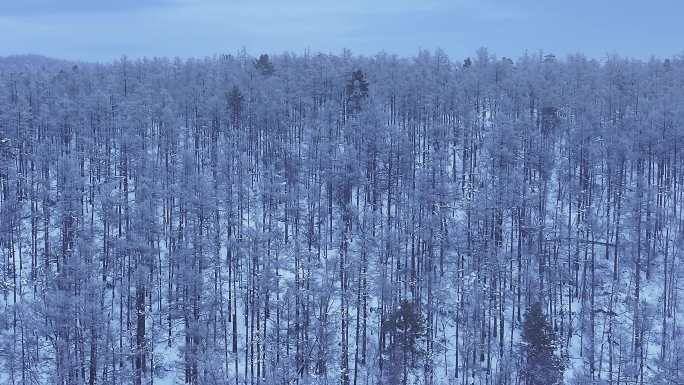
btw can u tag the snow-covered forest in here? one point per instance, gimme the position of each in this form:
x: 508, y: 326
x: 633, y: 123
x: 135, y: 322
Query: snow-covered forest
x: 338, y: 219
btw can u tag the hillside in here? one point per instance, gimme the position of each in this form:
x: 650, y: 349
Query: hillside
x: 325, y: 219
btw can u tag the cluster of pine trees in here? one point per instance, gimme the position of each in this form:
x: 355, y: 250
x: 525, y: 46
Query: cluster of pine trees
x: 334, y: 219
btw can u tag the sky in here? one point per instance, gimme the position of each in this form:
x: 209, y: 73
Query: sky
x: 104, y: 30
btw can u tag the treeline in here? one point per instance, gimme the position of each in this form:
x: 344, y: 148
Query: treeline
x: 325, y: 219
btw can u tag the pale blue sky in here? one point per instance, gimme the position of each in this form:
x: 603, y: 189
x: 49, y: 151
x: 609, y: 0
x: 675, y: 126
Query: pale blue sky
x: 103, y: 30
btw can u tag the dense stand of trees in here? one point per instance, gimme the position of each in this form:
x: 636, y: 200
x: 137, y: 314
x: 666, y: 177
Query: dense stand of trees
x: 324, y: 219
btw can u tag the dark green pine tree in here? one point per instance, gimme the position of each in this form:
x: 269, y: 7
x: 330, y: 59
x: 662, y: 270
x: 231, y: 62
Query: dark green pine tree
x: 235, y: 100
x: 264, y: 65
x: 406, y: 329
x: 357, y: 91
x: 542, y: 365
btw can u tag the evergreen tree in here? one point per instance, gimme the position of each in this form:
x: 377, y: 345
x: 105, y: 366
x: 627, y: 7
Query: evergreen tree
x: 406, y: 329
x: 235, y: 100
x: 263, y: 65
x: 357, y: 91
x: 542, y: 366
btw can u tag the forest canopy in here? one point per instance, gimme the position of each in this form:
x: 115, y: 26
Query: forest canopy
x: 320, y: 219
